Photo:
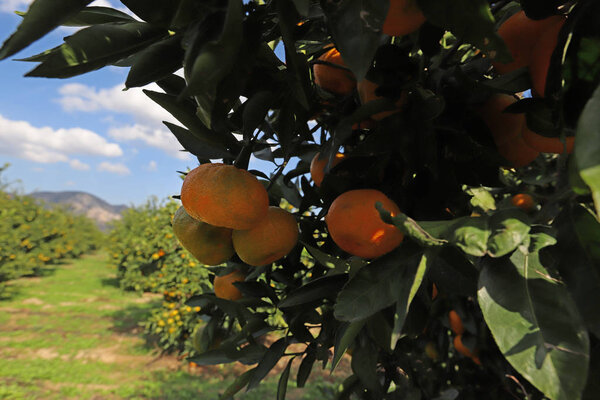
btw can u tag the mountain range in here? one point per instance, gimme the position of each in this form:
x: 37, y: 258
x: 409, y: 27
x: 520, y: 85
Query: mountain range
x: 86, y: 204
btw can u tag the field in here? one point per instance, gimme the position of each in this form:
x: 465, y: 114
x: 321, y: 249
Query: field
x: 74, y: 334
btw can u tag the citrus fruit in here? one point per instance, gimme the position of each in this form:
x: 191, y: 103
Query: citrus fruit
x: 464, y: 350
x: 456, y: 324
x: 211, y: 245
x: 223, y: 195
x: 366, y: 93
x: 274, y: 237
x: 403, y: 17
x: 548, y: 144
x: 356, y: 226
x: 521, y: 37
x: 507, y: 130
x: 224, y: 288
x: 318, y: 164
x: 338, y: 80
x: 523, y: 201
x: 542, y: 53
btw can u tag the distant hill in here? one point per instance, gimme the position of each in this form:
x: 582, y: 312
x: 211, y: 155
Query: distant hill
x: 84, y: 203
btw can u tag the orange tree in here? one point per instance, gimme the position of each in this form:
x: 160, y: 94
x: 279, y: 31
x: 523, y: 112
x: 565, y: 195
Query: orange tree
x: 523, y: 283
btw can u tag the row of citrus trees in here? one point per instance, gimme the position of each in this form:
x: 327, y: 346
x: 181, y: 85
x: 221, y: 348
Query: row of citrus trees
x: 32, y: 236
x: 148, y: 258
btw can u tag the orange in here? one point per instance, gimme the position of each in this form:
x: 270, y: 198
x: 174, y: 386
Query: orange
x: 317, y: 167
x: 456, y: 324
x: 224, y: 288
x: 333, y: 79
x: 548, y: 144
x: 211, y: 245
x: 507, y: 130
x: 403, y: 17
x: 521, y: 37
x: 223, y: 195
x: 464, y: 350
x: 434, y: 292
x: 356, y: 226
x: 274, y: 237
x: 523, y: 201
x: 540, y: 58
x: 366, y: 93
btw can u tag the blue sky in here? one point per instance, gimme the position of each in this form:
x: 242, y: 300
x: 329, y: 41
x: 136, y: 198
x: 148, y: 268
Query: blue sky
x: 83, y: 133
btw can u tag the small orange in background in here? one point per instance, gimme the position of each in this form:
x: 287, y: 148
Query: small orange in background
x: 223, y: 195
x: 274, y: 237
x: 224, y: 288
x: 464, y: 350
x: 366, y: 93
x: 403, y: 17
x: 434, y: 292
x: 333, y: 79
x: 318, y: 164
x: 356, y: 226
x: 211, y: 245
x: 523, y: 201
x: 456, y: 324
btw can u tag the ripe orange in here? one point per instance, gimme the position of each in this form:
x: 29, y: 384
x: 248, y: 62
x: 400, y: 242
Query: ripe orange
x: 540, y: 58
x: 521, y: 37
x: 274, y: 237
x: 211, y: 245
x: 507, y: 130
x: 547, y: 144
x: 523, y: 201
x: 403, y: 17
x: 317, y: 167
x: 462, y: 349
x: 224, y: 288
x: 356, y: 226
x: 366, y: 93
x: 336, y: 80
x: 456, y: 324
x: 223, y: 195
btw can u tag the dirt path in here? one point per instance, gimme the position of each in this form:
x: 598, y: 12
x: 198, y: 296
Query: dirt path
x: 74, y: 334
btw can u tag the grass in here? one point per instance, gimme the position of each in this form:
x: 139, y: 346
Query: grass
x: 73, y: 334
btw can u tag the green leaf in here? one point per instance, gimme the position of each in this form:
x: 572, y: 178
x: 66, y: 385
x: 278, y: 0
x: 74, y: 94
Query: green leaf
x: 587, y: 146
x: 215, y: 60
x: 283, y: 380
x: 471, y: 235
x: 344, y: 337
x: 303, y: 7
x: 378, y: 285
x: 198, y: 147
x: 184, y: 112
x: 535, y: 323
x: 406, y: 294
x: 94, y: 47
x: 509, y: 228
x: 157, y: 12
x: 364, y: 365
x: 97, y: 15
x: 470, y: 21
x: 255, y: 111
x: 338, y: 265
x: 578, y: 255
x: 482, y: 198
x: 306, y: 366
x: 511, y: 82
x: 269, y: 360
x: 415, y: 230
x: 156, y: 62
x: 42, y: 17
x: 356, y: 29
x: 237, y: 385
x: 318, y: 289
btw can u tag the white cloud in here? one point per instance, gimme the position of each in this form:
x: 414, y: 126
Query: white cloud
x: 152, y: 166
x: 47, y: 145
x: 114, y: 168
x: 159, y: 138
x: 78, y: 165
x: 79, y: 97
